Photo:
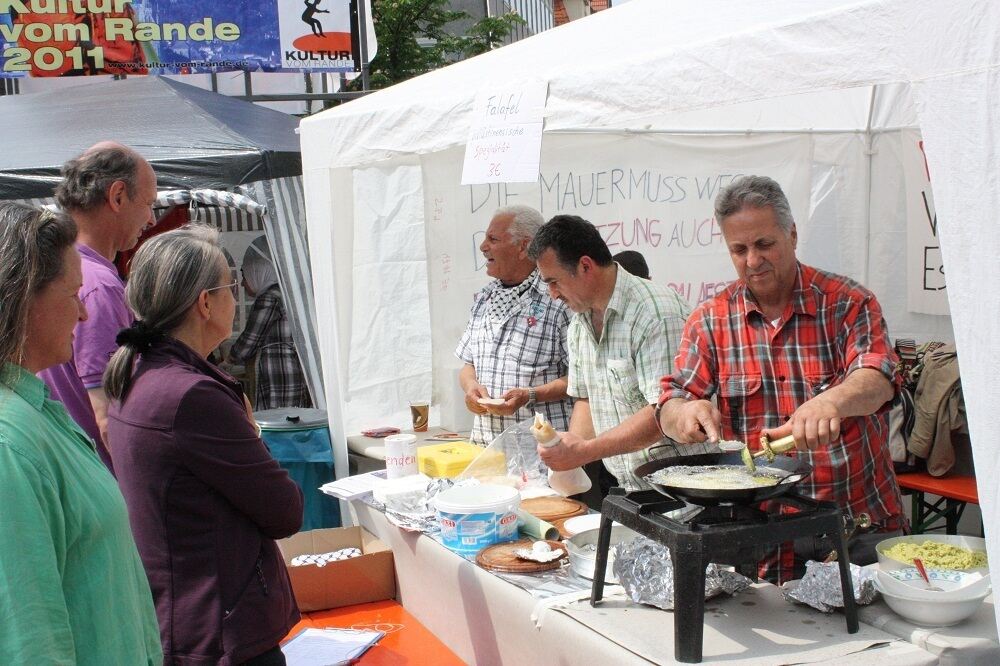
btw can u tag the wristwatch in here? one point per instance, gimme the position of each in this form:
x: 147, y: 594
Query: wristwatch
x: 532, y: 398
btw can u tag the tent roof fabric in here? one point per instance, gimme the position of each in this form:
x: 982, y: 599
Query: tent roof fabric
x: 194, y: 138
x: 610, y: 70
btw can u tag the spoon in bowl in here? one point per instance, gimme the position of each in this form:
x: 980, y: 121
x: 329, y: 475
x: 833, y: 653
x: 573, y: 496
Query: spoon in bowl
x: 919, y: 564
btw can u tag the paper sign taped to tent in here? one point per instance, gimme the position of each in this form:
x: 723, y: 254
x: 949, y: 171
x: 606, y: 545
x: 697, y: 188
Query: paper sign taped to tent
x: 925, y: 278
x: 505, y: 139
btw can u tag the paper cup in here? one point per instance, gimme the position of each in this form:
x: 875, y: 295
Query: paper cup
x: 420, y: 413
x: 400, y: 456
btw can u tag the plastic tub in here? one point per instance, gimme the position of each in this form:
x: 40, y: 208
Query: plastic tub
x: 474, y: 517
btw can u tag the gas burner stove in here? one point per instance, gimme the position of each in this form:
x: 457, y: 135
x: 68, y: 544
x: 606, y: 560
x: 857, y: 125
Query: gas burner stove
x: 727, y: 534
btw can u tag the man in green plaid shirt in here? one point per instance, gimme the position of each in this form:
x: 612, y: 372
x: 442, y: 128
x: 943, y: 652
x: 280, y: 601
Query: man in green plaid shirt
x: 621, y: 341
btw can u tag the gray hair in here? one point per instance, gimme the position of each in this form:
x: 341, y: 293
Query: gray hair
x: 169, y: 273
x: 526, y: 223
x: 32, y: 244
x: 87, y: 177
x: 754, y: 192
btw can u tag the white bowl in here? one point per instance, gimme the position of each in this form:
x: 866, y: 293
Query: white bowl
x: 577, y: 524
x: 955, y: 585
x: 583, y: 558
x: 887, y: 563
x: 930, y: 613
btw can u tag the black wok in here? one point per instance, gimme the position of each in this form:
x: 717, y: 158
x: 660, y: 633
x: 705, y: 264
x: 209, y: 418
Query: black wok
x: 795, y: 471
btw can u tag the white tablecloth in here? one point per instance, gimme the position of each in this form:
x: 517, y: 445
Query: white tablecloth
x: 486, y: 620
x: 970, y: 643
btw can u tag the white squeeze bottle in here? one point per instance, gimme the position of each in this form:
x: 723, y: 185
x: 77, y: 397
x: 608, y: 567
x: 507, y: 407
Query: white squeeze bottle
x: 570, y: 482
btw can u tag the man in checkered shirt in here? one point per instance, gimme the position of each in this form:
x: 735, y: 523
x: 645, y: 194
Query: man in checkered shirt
x: 514, y: 346
x: 621, y: 341
x: 789, y: 349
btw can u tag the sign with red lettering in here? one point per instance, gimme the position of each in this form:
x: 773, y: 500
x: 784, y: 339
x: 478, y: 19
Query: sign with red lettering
x: 926, y: 290
x: 649, y: 193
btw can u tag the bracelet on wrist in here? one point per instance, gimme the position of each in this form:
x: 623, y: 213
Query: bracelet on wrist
x: 656, y: 417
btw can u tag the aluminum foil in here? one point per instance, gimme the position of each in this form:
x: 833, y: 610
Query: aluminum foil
x: 820, y: 586
x: 416, y: 513
x: 645, y: 570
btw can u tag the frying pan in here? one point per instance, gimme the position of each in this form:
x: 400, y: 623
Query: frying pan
x: 795, y: 471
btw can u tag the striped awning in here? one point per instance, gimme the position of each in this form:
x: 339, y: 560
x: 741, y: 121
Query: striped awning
x: 226, y: 211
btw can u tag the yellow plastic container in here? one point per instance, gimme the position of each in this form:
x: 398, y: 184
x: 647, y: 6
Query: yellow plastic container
x: 449, y: 459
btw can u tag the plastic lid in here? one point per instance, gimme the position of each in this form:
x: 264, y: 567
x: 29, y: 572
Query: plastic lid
x: 291, y: 418
x: 480, y: 498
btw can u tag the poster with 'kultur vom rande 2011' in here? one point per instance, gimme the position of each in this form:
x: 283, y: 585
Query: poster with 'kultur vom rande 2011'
x: 48, y: 38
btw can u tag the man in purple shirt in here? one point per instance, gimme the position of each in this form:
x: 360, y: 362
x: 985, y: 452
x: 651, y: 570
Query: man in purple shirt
x: 109, y: 192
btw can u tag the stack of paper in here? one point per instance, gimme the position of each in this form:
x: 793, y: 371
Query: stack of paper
x: 328, y: 647
x: 352, y: 487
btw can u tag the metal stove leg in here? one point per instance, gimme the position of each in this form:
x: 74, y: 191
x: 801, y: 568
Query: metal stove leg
x: 601, y: 565
x: 689, y: 605
x: 846, y: 584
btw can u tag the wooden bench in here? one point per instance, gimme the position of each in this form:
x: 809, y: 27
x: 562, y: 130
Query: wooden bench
x: 406, y: 641
x: 953, y: 492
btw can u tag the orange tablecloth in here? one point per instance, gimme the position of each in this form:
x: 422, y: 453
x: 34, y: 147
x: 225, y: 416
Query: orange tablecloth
x: 406, y: 641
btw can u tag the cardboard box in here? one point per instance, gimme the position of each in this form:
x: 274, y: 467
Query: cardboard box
x: 357, y: 580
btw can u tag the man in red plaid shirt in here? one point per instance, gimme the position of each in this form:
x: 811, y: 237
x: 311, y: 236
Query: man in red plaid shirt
x: 790, y: 349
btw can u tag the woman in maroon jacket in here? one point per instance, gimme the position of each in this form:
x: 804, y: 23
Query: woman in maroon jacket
x: 205, y: 498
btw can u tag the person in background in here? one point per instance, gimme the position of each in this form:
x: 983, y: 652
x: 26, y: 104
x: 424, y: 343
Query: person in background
x: 109, y: 193
x: 280, y: 380
x: 205, y: 498
x: 633, y: 262
x: 72, y: 588
x: 514, y: 346
x: 621, y: 340
x: 789, y: 349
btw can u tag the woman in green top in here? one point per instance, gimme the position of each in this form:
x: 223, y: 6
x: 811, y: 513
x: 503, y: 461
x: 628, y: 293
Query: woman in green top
x: 72, y: 587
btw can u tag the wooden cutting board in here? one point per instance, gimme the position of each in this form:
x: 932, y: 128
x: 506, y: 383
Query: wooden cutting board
x: 501, y: 557
x: 551, y: 508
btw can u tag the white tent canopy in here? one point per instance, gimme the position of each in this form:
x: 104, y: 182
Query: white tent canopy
x: 685, y: 94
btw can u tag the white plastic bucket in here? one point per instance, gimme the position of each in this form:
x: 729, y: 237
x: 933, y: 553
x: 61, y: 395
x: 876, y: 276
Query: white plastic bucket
x: 474, y: 517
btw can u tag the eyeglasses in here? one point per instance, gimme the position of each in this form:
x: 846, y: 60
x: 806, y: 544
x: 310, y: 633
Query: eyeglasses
x: 233, y: 287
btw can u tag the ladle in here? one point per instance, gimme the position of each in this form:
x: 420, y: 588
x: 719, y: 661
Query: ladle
x: 768, y: 449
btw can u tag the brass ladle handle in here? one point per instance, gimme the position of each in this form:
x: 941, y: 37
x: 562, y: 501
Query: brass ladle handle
x: 770, y: 448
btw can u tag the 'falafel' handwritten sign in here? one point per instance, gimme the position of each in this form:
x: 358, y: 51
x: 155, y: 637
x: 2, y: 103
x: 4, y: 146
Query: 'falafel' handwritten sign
x: 505, y: 136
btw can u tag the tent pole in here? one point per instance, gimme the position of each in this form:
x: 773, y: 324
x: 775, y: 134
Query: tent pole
x: 869, y: 153
x: 363, y: 43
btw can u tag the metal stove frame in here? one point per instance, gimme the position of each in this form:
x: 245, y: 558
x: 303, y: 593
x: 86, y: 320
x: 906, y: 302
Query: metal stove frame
x: 732, y: 535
